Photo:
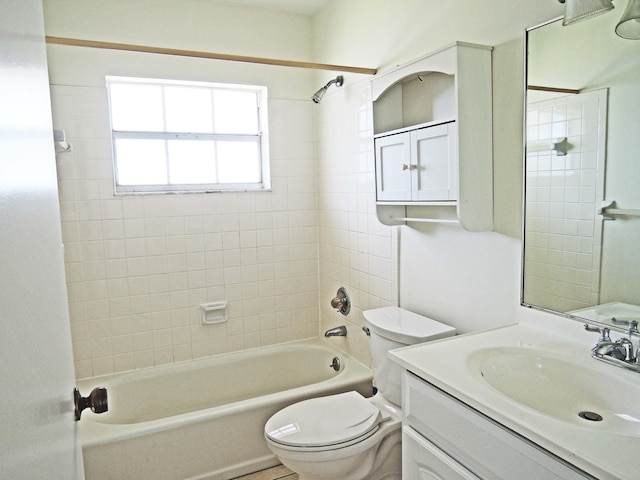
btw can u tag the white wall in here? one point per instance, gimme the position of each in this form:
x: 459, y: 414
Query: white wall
x: 138, y: 266
x: 204, y: 25
x: 353, y: 249
x: 384, y: 34
x: 381, y: 34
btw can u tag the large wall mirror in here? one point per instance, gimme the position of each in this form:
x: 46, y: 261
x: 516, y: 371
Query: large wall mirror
x: 582, y: 180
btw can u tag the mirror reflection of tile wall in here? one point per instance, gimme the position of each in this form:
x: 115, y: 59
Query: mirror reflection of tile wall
x: 563, y: 231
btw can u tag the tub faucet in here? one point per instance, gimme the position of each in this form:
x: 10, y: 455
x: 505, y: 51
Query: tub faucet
x: 336, y: 332
x: 341, y: 301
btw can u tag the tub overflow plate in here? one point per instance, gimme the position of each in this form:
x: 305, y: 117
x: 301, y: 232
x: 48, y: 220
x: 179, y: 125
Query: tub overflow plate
x: 335, y: 364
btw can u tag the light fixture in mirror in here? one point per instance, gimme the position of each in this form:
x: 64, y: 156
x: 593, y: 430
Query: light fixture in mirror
x: 578, y: 10
x: 629, y: 25
x: 586, y: 97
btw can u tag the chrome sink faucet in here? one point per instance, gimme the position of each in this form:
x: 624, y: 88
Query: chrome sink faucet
x: 604, y: 346
x: 619, y: 352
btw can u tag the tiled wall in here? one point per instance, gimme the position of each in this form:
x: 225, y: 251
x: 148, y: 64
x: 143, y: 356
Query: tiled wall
x: 356, y: 251
x: 564, y: 234
x: 139, y: 266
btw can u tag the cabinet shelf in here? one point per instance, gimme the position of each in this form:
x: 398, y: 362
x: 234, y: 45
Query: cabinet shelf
x: 414, y: 127
x: 418, y: 161
x: 425, y: 220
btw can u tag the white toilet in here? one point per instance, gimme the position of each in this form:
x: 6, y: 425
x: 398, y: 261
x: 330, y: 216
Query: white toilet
x: 347, y: 436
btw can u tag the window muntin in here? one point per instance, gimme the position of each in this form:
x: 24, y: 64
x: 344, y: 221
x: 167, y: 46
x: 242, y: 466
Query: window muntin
x: 188, y: 136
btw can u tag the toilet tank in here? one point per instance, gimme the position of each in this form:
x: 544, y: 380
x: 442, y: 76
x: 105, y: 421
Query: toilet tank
x: 394, y: 327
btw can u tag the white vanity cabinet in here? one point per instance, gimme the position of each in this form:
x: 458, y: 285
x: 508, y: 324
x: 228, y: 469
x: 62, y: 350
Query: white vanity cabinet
x: 432, y: 122
x: 445, y: 439
x: 418, y: 165
x: 422, y: 460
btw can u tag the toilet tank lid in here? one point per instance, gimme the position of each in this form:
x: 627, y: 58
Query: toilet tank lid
x: 403, y: 326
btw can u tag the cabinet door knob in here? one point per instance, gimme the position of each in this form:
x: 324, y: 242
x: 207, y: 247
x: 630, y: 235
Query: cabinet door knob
x: 408, y: 167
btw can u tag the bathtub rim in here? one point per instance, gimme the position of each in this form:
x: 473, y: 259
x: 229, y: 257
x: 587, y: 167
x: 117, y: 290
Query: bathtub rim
x: 93, y: 433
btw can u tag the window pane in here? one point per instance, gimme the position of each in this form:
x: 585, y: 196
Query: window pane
x: 235, y: 111
x: 136, y: 107
x: 195, y: 136
x: 141, y: 162
x: 191, y: 161
x: 238, y: 162
x: 188, y: 109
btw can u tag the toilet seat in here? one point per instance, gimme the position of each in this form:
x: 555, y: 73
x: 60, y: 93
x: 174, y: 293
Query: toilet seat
x: 324, y: 423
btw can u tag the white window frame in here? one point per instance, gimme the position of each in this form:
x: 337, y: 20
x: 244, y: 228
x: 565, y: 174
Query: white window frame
x: 261, y: 138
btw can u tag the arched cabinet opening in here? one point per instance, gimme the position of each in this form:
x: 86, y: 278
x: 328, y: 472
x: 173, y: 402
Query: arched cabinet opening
x: 433, y: 139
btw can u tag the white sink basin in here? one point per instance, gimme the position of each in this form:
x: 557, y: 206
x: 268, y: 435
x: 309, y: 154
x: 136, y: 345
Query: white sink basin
x: 562, y: 389
x: 535, y: 378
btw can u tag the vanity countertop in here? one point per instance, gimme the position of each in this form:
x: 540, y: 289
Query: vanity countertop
x: 453, y: 365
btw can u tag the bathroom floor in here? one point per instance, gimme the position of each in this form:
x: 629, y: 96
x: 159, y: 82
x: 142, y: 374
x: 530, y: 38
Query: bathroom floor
x: 275, y: 473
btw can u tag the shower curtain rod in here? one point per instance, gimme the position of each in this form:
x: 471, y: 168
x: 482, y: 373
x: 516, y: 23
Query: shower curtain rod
x: 552, y: 89
x: 75, y: 42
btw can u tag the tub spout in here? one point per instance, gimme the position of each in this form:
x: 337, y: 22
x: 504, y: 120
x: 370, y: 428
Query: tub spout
x: 336, y: 332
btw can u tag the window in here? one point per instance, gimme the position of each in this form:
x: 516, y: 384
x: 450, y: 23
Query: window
x: 171, y: 136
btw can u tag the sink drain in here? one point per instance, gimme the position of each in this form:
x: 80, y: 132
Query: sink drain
x: 591, y: 416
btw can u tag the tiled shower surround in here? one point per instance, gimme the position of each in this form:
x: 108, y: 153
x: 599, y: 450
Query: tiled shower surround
x: 356, y: 251
x: 139, y: 266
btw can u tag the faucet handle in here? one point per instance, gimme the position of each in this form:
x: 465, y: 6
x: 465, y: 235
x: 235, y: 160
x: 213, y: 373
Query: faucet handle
x: 626, y: 349
x: 631, y: 324
x: 604, y: 332
x: 341, y: 301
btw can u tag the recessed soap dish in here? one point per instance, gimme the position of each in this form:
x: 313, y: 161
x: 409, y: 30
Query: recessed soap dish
x: 214, y: 312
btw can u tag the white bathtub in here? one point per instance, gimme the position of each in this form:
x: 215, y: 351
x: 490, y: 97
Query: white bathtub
x: 204, y: 419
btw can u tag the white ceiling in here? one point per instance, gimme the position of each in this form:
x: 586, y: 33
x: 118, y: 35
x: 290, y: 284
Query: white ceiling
x: 303, y: 7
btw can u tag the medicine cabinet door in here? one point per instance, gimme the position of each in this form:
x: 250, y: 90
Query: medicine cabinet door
x: 435, y: 176
x: 393, y: 166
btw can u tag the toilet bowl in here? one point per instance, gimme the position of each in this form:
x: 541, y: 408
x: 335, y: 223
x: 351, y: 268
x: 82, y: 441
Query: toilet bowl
x: 347, y: 436
x: 344, y: 436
